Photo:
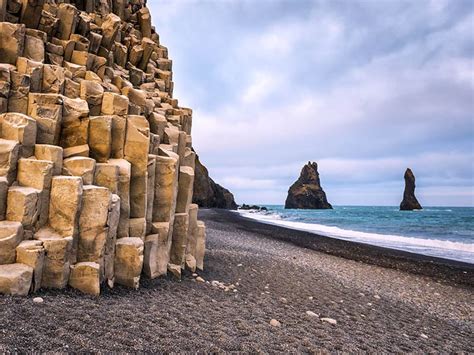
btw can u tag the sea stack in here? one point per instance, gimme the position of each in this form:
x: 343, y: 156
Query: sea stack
x: 409, y: 202
x: 306, y: 192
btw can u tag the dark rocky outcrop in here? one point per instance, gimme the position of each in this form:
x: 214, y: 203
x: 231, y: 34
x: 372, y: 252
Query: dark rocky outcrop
x: 252, y: 207
x: 306, y: 192
x: 409, y: 202
x: 209, y: 194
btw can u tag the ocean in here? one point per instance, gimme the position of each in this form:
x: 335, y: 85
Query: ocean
x: 446, y: 232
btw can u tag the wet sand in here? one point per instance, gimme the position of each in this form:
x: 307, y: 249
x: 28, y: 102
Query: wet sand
x: 382, y: 300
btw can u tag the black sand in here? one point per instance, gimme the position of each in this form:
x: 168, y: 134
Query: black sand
x: 383, y: 300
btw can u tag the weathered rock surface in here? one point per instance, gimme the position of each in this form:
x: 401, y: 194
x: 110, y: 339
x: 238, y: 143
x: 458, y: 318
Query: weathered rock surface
x: 409, y: 202
x: 306, y: 192
x: 209, y: 194
x: 96, y: 154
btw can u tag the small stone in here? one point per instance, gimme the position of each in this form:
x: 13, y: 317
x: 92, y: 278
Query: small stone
x: 239, y: 265
x: 329, y: 320
x: 195, y: 275
x: 312, y: 314
x: 283, y: 300
x: 424, y: 336
x: 369, y: 304
x: 235, y: 290
x: 310, y: 298
x: 405, y: 335
x: 275, y: 323
x: 38, y: 300
x: 377, y: 297
x: 200, y: 279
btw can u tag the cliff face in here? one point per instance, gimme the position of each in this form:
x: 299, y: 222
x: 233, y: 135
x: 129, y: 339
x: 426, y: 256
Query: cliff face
x: 306, y: 192
x: 207, y: 193
x: 409, y: 202
x: 97, y: 167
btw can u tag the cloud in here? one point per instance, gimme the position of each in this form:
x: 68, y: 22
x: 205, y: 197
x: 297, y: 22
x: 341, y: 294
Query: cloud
x: 364, y: 88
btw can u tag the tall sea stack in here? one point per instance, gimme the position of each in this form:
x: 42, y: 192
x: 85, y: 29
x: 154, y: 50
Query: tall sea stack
x: 409, y: 202
x: 306, y: 192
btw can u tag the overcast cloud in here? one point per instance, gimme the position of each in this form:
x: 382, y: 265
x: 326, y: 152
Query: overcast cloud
x: 365, y: 88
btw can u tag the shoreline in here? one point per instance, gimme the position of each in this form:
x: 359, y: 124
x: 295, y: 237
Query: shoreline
x: 253, y: 274
x: 449, y: 270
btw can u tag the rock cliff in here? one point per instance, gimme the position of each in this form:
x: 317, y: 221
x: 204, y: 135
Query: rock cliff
x: 97, y: 167
x: 209, y: 194
x: 409, y: 202
x: 306, y: 192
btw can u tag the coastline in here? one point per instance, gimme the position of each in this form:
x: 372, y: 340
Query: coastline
x: 446, y: 269
x: 275, y: 274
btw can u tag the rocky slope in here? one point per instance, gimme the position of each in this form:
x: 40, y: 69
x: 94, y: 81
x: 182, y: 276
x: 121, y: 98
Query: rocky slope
x: 96, y: 160
x: 409, y: 202
x: 306, y: 192
x: 209, y: 194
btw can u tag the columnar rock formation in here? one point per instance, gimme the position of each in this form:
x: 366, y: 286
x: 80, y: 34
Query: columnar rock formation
x: 209, y: 194
x: 96, y: 159
x: 306, y: 192
x: 409, y: 202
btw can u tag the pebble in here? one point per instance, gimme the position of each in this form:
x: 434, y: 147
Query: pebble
x: 195, y: 275
x: 239, y: 265
x: 377, y: 297
x: 200, y: 279
x: 424, y: 336
x: 310, y: 298
x: 312, y: 314
x: 38, y: 300
x: 329, y: 320
x: 275, y: 323
x: 369, y: 304
x: 283, y: 300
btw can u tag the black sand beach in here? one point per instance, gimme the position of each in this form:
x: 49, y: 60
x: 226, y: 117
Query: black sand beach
x: 382, y: 300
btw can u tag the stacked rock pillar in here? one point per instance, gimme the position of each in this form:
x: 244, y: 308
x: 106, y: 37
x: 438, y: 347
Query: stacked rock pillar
x: 97, y: 166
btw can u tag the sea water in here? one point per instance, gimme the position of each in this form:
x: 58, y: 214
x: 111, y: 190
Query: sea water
x: 446, y: 232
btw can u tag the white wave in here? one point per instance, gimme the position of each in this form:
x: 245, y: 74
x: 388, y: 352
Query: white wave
x: 433, y: 247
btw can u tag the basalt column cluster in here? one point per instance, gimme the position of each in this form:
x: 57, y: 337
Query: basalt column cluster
x: 96, y: 160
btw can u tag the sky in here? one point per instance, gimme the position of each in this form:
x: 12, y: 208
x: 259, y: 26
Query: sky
x: 364, y: 88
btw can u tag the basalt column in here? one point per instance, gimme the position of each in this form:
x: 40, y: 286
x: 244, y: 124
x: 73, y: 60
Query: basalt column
x: 97, y: 167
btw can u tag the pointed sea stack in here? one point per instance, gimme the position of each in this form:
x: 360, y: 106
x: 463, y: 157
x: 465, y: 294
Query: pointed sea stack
x: 306, y: 192
x: 409, y: 202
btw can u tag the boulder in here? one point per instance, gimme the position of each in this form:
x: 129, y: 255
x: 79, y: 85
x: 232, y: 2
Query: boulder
x: 85, y: 277
x: 31, y: 253
x: 306, y: 192
x: 11, y: 235
x: 58, y: 254
x: 128, y: 261
x: 409, y: 202
x: 15, y: 279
